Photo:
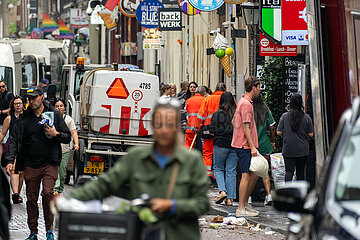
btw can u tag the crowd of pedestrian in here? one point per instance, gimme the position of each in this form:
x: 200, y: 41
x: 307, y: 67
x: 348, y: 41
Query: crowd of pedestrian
x: 229, y: 134
x: 36, y: 146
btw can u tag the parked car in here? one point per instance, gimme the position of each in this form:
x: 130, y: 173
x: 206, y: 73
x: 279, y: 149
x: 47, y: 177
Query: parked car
x: 332, y: 210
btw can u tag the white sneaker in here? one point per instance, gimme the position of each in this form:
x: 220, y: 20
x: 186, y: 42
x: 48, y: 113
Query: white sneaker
x: 268, y: 200
x: 251, y: 209
x: 245, y: 213
x: 249, y: 200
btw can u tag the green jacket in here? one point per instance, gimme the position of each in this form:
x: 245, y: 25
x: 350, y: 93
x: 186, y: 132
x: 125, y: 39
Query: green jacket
x: 141, y: 170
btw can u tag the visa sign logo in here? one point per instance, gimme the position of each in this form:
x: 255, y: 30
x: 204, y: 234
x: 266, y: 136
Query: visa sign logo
x: 290, y: 38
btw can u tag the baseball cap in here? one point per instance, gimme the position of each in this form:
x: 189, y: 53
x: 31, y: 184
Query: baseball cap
x: 45, y: 81
x: 34, y: 91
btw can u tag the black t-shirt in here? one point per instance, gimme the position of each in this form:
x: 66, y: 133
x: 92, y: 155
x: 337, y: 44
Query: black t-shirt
x: 36, y: 143
x: 5, y: 99
x: 222, y: 128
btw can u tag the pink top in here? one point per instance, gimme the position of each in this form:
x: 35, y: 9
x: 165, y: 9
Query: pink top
x: 244, y: 114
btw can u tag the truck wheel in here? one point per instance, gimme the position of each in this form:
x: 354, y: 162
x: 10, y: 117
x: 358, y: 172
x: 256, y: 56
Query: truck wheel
x: 79, y: 158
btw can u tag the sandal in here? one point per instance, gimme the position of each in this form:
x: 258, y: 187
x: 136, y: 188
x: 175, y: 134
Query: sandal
x: 16, y: 198
x: 228, y: 202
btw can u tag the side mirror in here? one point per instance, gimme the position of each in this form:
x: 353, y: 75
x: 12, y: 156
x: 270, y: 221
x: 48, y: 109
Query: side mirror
x: 291, y: 196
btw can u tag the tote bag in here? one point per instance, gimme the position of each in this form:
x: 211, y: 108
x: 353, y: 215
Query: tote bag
x: 259, y: 165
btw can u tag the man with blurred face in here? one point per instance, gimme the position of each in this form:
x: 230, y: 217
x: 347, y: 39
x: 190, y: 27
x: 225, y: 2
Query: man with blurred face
x: 152, y: 169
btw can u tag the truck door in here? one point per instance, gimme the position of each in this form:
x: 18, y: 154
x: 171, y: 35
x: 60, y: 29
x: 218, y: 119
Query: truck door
x: 75, y: 95
x: 64, y: 92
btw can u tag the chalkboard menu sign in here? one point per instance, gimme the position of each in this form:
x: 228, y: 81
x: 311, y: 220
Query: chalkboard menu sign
x: 291, y: 76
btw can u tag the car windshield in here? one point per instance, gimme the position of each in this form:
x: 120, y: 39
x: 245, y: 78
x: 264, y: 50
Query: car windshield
x: 348, y: 179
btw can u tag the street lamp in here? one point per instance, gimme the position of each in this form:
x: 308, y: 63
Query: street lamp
x: 251, y: 15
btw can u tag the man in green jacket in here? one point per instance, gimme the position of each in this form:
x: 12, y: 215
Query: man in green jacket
x: 149, y: 170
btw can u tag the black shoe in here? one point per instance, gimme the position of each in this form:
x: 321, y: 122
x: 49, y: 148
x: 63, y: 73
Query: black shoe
x: 16, y: 198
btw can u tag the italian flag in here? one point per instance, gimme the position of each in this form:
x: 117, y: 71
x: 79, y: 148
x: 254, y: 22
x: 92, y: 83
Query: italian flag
x: 271, y: 22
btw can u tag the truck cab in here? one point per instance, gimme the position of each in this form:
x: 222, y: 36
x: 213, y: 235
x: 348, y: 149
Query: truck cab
x: 33, y: 70
x: 72, y: 76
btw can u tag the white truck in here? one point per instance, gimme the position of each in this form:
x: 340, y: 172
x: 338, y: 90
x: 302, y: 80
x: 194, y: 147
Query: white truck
x: 41, y: 58
x: 113, y: 108
x: 10, y: 65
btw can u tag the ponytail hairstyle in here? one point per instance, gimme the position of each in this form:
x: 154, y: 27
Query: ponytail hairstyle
x: 296, y: 111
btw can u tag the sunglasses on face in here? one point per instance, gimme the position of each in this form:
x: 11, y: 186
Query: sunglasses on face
x: 2, y: 86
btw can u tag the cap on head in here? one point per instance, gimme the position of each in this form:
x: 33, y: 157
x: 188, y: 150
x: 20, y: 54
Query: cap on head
x: 45, y: 81
x: 34, y: 91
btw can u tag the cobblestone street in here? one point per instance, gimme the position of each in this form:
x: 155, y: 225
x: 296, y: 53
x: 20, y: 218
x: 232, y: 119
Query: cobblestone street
x: 18, y: 224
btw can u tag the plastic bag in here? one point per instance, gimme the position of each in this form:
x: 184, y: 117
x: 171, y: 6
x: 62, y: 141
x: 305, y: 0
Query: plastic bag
x: 277, y: 169
x: 259, y: 165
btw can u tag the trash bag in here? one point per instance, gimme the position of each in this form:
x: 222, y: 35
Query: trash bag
x: 277, y: 169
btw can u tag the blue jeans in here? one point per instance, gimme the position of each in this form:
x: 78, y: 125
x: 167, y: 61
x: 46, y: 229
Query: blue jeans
x: 225, y: 159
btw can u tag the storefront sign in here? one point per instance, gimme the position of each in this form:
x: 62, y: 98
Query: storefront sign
x: 152, y: 44
x: 291, y: 77
x: 147, y: 13
x: 270, y: 19
x: 268, y: 48
x: 206, y: 5
x: 170, y: 19
x: 78, y: 18
x: 294, y: 23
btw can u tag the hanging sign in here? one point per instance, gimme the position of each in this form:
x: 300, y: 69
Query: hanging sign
x: 95, y: 16
x: 37, y: 33
x: 169, y: 19
x: 291, y: 77
x: 128, y: 7
x: 78, y: 18
x: 294, y: 23
x: 206, y: 5
x: 270, y: 19
x: 187, y: 8
x: 147, y: 13
x: 268, y: 48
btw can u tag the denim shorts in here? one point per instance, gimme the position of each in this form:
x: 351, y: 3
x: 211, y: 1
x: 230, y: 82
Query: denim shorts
x: 244, y: 156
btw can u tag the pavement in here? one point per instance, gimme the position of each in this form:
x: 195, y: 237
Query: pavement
x: 268, y: 217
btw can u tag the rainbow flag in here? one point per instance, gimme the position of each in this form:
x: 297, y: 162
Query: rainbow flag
x: 49, y: 24
x: 64, y: 31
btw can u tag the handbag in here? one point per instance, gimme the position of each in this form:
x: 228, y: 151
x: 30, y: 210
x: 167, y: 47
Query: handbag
x: 259, y: 165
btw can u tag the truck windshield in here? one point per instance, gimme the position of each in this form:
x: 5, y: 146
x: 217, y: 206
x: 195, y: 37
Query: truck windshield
x: 6, y: 75
x: 29, y: 75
